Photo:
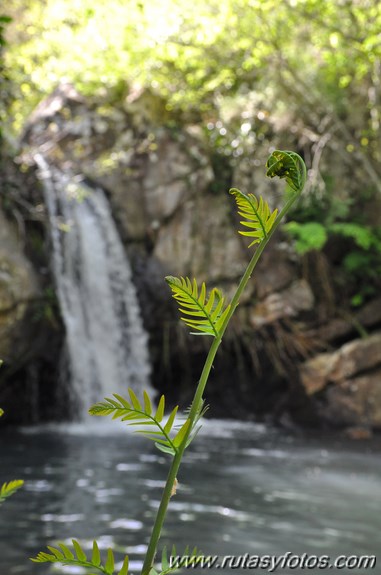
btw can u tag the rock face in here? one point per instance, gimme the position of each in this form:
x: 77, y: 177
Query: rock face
x: 348, y: 381
x: 160, y: 181
x: 30, y: 330
x: 19, y: 286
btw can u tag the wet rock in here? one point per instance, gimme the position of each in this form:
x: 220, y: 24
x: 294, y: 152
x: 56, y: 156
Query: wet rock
x: 18, y: 288
x: 343, y: 327
x: 276, y: 270
x: 350, y: 381
x: 350, y: 360
x: 200, y: 242
x: 297, y: 298
x: 358, y: 432
x: 355, y: 401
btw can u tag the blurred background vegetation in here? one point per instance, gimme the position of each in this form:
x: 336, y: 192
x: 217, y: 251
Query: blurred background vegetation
x: 243, y: 70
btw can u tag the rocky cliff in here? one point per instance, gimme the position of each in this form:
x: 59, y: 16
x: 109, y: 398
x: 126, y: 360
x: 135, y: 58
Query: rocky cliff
x: 175, y: 218
x: 30, y: 329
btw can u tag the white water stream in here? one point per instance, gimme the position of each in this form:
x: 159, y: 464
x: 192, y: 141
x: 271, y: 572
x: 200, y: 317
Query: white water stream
x: 106, y: 342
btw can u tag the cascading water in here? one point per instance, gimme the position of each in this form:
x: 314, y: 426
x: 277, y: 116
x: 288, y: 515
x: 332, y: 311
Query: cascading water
x: 106, y: 342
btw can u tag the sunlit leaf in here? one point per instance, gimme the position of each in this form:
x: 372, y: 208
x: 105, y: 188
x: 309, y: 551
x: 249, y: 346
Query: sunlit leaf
x: 8, y: 489
x: 109, y: 567
x: 207, y: 316
x: 124, y: 569
x: 257, y: 214
x: 141, y: 416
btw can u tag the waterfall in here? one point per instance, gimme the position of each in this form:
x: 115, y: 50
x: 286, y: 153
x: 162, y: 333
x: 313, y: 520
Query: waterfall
x: 106, y: 343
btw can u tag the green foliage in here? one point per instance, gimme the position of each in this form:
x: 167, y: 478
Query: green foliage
x: 363, y: 236
x: 5, y: 83
x: 313, y: 236
x: 4, y: 20
x: 309, y: 55
x: 362, y: 261
x: 65, y: 556
x: 191, y: 557
x: 364, y: 264
x: 135, y: 413
x: 285, y: 165
x: 309, y: 236
x: 242, y: 70
x: 8, y: 489
x: 257, y: 213
x: 206, y: 315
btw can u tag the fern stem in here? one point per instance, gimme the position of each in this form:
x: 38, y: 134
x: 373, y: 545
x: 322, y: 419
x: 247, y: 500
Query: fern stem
x: 253, y: 262
x: 197, y: 402
x: 172, y: 474
x: 161, y: 512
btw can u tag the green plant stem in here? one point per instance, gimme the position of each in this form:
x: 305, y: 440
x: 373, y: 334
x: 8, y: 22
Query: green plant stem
x: 198, y: 399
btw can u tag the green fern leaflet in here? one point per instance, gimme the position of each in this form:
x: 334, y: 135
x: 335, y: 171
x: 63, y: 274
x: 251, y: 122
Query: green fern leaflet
x: 206, y: 315
x: 135, y: 413
x: 189, y: 558
x: 287, y: 165
x: 65, y: 556
x: 9, y: 489
x: 257, y: 213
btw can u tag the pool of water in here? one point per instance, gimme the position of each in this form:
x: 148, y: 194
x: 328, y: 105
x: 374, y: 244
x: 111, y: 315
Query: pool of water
x: 244, y: 489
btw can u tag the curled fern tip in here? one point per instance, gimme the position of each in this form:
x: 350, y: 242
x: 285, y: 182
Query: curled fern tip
x: 287, y: 165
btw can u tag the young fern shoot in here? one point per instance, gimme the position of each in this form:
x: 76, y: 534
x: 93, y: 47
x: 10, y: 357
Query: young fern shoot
x: 207, y: 315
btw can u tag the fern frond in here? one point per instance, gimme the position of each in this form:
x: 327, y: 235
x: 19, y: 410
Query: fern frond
x: 134, y: 413
x: 195, y: 428
x: 188, y: 558
x: 287, y: 165
x: 65, y: 556
x: 202, y: 314
x: 8, y: 489
x: 259, y: 217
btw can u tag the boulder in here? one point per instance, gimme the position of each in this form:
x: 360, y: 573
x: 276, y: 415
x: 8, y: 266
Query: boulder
x: 200, y: 241
x: 290, y: 302
x: 19, y: 286
x: 348, y: 382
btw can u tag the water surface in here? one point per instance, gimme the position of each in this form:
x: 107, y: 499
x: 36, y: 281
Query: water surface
x: 244, y: 488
